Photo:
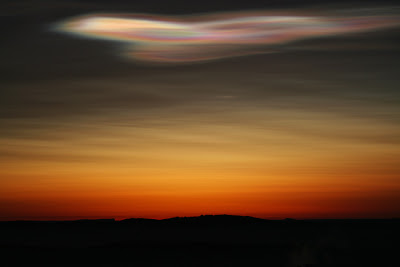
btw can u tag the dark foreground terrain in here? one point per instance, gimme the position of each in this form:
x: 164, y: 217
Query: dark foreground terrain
x: 220, y: 240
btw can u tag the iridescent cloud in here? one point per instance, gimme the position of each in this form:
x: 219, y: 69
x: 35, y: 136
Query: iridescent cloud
x: 206, y: 37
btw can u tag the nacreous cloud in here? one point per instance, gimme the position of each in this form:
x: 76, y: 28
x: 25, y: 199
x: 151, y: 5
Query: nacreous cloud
x: 191, y: 39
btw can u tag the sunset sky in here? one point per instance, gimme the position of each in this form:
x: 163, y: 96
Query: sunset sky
x: 304, y: 129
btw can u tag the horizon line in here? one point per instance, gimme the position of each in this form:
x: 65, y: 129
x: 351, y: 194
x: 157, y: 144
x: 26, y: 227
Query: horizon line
x: 96, y: 218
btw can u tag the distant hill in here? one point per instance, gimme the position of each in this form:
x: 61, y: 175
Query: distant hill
x: 214, y: 220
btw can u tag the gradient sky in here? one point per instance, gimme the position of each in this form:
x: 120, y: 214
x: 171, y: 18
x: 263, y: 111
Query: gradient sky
x: 309, y: 129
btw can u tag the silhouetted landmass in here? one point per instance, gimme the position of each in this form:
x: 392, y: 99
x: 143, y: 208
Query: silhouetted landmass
x: 219, y: 240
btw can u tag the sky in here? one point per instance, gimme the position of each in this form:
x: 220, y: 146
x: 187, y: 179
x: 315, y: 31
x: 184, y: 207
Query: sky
x: 199, y: 109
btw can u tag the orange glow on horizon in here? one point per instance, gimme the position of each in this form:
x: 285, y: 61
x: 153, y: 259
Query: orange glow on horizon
x: 192, y: 172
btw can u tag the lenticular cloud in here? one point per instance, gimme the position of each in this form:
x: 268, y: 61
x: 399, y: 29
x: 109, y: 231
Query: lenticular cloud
x: 207, y: 37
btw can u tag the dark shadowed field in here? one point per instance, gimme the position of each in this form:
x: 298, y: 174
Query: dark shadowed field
x: 201, y: 241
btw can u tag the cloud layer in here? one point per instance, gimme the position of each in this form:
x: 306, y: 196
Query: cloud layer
x: 214, y: 36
